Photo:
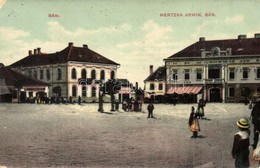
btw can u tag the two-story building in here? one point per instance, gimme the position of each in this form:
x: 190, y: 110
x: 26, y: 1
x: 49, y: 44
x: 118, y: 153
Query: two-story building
x: 154, y: 84
x: 71, y: 72
x: 217, y: 70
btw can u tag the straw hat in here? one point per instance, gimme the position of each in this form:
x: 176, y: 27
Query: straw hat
x: 256, y: 95
x: 243, y: 123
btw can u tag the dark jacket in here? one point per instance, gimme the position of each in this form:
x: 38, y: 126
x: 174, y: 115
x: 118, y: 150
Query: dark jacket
x: 191, y: 117
x: 255, y: 114
x: 150, y: 107
x: 240, y: 151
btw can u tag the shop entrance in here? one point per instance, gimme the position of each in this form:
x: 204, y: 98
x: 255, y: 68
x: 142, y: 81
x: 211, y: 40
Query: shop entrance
x: 215, y: 95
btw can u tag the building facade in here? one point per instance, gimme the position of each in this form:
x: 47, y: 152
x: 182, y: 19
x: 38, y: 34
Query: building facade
x: 216, y: 70
x: 16, y: 87
x: 154, y: 84
x: 71, y: 72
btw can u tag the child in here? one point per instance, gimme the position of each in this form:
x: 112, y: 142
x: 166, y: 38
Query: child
x: 240, y: 151
x: 194, y: 123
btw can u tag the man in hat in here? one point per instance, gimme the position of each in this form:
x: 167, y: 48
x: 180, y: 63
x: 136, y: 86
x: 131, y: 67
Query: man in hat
x: 240, y: 151
x: 255, y: 116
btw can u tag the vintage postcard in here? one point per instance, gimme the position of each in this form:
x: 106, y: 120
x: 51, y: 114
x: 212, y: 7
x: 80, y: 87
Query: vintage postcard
x: 115, y: 83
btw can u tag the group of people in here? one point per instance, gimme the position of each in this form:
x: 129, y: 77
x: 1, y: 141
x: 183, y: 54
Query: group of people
x: 132, y: 105
x: 241, y: 144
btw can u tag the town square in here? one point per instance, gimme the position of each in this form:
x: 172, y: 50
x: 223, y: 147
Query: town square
x: 98, y: 83
x: 73, y: 135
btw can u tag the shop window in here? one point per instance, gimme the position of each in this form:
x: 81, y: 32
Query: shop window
x: 231, y: 92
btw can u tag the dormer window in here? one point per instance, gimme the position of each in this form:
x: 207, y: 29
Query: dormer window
x: 215, y: 51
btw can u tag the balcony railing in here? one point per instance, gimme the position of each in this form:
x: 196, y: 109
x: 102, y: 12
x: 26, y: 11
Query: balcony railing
x: 215, y: 81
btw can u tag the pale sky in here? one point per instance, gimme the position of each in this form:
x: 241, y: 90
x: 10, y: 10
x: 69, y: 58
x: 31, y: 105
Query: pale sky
x: 132, y: 33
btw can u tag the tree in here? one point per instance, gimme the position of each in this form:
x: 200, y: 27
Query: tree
x: 112, y: 87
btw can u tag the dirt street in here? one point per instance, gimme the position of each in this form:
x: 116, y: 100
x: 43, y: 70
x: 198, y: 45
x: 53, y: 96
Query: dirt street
x: 34, y: 135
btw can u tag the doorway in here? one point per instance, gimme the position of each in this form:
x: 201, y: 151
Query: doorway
x: 215, y: 95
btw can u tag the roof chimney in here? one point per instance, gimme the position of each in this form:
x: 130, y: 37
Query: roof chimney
x: 257, y: 35
x: 202, y: 39
x: 242, y: 36
x: 70, y: 44
x: 38, y: 51
x: 151, y: 69
x: 30, y: 52
x: 85, y: 45
x: 35, y: 51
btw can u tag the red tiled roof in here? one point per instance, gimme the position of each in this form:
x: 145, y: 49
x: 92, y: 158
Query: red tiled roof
x: 70, y: 53
x: 13, y: 78
x: 243, y: 46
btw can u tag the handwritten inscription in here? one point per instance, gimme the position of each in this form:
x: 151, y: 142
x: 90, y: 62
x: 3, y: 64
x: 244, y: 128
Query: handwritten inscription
x: 53, y: 15
x: 208, y: 14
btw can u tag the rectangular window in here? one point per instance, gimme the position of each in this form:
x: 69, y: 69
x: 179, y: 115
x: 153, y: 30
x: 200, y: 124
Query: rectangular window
x: 160, y: 86
x: 245, y: 73
x: 258, y: 73
x: 187, y: 74
x: 151, y: 86
x: 48, y: 74
x: 231, y: 92
x: 174, y: 75
x: 232, y: 73
x: 41, y: 74
x: 199, y: 74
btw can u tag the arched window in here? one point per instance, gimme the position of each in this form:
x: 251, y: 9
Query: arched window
x: 93, y: 74
x: 84, y: 91
x: 74, y: 91
x: 84, y: 74
x: 73, y: 73
x: 102, y: 75
x: 48, y: 74
x: 112, y: 75
x: 93, y: 92
x: 59, y: 74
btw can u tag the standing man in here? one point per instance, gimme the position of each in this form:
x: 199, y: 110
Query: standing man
x: 255, y: 116
x: 150, y: 108
x: 79, y: 100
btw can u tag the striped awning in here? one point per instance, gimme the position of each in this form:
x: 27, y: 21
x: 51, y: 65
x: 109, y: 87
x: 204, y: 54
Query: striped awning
x: 185, y: 89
